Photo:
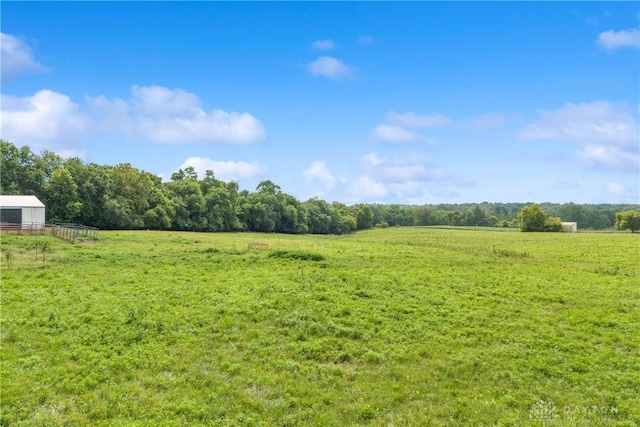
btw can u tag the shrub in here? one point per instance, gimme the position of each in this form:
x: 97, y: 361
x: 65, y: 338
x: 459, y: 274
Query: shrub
x: 301, y: 255
x: 533, y: 218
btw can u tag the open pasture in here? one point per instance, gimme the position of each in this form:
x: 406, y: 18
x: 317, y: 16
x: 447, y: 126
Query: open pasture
x: 387, y: 327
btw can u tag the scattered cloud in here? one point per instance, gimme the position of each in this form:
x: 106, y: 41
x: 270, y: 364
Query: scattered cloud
x: 599, y: 121
x: 16, y: 58
x: 330, y: 67
x: 327, y: 44
x: 381, y: 179
x: 159, y: 114
x: 364, y: 188
x: 394, y: 134
x: 51, y: 120
x: 319, y: 171
x: 612, y: 40
x: 618, y: 190
x: 46, y: 120
x: 399, y: 128
x: 388, y: 179
x: 372, y: 159
x: 225, y: 170
x: 364, y: 39
x: 413, y: 167
x: 418, y: 121
x: 607, y: 157
x: 608, y: 132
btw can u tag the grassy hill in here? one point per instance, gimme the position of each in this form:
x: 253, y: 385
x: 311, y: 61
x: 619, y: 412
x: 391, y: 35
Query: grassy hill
x: 397, y: 326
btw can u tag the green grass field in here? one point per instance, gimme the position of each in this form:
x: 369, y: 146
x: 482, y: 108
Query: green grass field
x: 387, y: 327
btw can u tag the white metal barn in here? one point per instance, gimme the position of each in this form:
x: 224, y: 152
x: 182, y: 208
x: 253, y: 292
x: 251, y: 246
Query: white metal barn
x: 569, y: 227
x: 22, y: 212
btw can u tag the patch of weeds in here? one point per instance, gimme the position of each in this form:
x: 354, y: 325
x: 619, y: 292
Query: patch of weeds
x: 508, y: 253
x: 615, y: 270
x: 300, y: 255
x: 210, y: 251
x: 367, y: 413
x: 373, y: 357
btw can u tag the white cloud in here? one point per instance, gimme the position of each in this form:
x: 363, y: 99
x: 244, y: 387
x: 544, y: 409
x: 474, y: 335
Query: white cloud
x: 372, y: 159
x: 383, y: 180
x: 394, y: 134
x: 608, y: 157
x: 330, y: 67
x: 327, y: 44
x: 608, y: 132
x: 595, y: 122
x: 399, y: 128
x: 413, y: 167
x: 618, y: 190
x: 618, y: 39
x: 225, y: 170
x: 418, y: 121
x: 319, y: 171
x: 159, y: 114
x: 363, y: 189
x: 46, y: 120
x: 364, y: 39
x: 16, y: 58
x: 160, y: 101
x: 51, y: 120
x: 399, y: 178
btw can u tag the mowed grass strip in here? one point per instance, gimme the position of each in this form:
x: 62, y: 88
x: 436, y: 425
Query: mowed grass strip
x: 397, y: 326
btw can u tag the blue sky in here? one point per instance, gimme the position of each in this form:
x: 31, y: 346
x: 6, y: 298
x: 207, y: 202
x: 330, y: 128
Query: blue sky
x: 443, y: 102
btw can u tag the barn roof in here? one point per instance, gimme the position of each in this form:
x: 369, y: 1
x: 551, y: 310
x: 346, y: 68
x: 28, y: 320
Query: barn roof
x: 20, y: 202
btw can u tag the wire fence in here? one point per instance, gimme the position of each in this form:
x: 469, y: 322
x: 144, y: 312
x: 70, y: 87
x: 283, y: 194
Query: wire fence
x: 75, y: 232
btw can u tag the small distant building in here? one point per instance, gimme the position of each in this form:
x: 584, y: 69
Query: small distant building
x: 569, y: 227
x: 25, y: 213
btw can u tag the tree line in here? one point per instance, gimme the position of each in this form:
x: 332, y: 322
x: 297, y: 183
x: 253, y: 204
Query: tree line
x: 124, y: 197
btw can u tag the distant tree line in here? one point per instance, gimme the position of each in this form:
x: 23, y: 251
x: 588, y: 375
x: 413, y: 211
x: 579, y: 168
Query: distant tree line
x: 123, y: 197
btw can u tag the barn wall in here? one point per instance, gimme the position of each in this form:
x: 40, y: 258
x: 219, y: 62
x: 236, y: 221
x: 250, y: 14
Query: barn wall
x: 32, y: 216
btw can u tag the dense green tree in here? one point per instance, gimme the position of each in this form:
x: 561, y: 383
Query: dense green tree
x: 126, y: 197
x: 574, y: 213
x: 364, y: 217
x: 92, y: 182
x: 533, y: 218
x: 161, y: 212
x: 23, y: 172
x: 321, y: 217
x: 423, y: 215
x: 190, y: 205
x: 553, y: 223
x: 628, y: 221
x: 62, y: 200
x: 476, y: 216
x: 597, y: 220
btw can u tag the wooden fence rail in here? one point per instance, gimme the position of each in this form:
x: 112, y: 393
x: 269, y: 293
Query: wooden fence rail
x: 28, y: 228
x: 258, y: 246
